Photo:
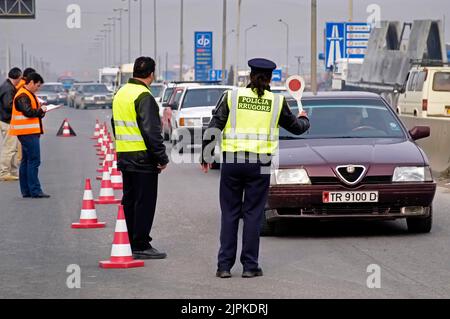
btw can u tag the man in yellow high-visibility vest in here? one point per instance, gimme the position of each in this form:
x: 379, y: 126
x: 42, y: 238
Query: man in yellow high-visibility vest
x: 141, y: 155
x: 249, y: 118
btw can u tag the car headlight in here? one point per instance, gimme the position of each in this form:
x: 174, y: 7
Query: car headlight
x: 190, y: 121
x: 412, y: 174
x: 291, y: 177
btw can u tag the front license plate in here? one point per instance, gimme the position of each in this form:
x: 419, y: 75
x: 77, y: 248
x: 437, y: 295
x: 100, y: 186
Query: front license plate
x: 349, y: 197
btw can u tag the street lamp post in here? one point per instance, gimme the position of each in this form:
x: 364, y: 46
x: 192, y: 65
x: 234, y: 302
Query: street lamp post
x: 287, y: 46
x: 109, y: 30
x: 238, y: 27
x: 113, y: 23
x: 245, y: 45
x: 314, y: 46
x: 120, y: 10
x: 181, y: 41
x: 106, y: 45
x: 129, y: 30
x: 224, y: 39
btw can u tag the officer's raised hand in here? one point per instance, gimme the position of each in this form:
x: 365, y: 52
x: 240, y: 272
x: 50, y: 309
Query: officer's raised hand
x: 303, y: 114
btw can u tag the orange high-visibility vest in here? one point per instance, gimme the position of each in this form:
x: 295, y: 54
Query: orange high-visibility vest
x: 22, y: 125
x: 20, y: 84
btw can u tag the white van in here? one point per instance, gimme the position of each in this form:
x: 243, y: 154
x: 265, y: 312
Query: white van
x: 426, y: 93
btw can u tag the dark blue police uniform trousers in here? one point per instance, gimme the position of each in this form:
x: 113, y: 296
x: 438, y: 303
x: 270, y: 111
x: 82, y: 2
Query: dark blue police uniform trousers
x: 243, y: 193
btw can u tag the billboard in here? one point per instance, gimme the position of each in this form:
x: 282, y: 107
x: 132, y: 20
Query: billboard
x: 203, y: 55
x: 17, y: 9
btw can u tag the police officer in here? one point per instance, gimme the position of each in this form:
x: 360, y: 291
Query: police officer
x: 249, y: 119
x: 141, y: 155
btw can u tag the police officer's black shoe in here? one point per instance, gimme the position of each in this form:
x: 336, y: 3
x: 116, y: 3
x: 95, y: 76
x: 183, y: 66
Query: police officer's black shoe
x: 252, y: 273
x: 150, y: 253
x: 41, y: 195
x: 223, y: 274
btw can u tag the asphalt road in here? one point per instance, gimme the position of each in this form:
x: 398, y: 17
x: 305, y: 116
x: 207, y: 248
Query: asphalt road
x: 323, y: 260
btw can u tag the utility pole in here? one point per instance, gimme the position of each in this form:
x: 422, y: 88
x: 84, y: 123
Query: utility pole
x: 224, y: 40
x: 238, y: 26
x: 167, y: 66
x: 314, y: 46
x: 23, y: 56
x: 140, y: 28
x: 181, y: 42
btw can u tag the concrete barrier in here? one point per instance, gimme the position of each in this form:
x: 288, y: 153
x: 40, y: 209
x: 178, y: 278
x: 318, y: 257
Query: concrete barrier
x: 437, y: 146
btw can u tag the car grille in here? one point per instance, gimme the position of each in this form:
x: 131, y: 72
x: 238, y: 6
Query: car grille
x: 341, y: 209
x: 336, y: 181
x: 350, y: 177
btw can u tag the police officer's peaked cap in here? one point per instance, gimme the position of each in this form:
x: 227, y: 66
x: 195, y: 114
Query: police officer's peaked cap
x: 261, y: 65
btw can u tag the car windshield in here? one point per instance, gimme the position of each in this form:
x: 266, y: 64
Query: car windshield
x: 167, y: 94
x: 346, y: 118
x: 95, y: 89
x: 202, y: 97
x: 53, y: 88
x: 156, y: 90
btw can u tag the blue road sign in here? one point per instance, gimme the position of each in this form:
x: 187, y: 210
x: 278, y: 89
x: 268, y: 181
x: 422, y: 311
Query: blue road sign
x: 346, y: 40
x: 203, y: 53
x: 276, y: 75
x: 335, y: 43
x: 216, y: 75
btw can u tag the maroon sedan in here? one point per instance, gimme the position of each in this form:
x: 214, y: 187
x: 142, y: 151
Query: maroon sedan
x: 357, y: 161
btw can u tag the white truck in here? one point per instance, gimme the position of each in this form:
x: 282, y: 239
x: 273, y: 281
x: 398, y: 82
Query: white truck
x: 107, y: 76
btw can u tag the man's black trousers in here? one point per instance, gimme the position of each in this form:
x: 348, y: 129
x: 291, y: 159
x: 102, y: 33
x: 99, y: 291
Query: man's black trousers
x: 139, y: 202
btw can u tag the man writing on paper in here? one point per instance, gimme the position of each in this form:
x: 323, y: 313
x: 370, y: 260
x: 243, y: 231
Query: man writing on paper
x: 26, y: 124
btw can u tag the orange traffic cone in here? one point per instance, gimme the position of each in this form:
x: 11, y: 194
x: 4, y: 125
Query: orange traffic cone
x: 106, y: 191
x: 116, y: 176
x: 88, y: 215
x: 65, y: 130
x: 121, y: 255
x: 108, y: 161
x: 97, y: 131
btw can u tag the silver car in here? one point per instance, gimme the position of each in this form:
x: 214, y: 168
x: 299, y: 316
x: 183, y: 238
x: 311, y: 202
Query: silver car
x: 93, y: 95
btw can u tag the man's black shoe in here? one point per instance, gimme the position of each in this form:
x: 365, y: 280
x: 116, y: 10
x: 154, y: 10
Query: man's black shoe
x: 26, y: 196
x: 252, y: 273
x: 42, y: 195
x: 150, y: 253
x: 223, y: 274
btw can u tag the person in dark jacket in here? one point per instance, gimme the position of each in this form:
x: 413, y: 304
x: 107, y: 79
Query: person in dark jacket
x: 26, y: 124
x: 249, y: 118
x: 141, y: 155
x: 8, y: 152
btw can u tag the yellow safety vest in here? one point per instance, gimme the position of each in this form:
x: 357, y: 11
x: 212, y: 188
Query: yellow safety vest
x: 128, y: 135
x: 252, y: 124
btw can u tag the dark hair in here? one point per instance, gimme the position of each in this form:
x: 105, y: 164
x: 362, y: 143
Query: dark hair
x: 260, y: 81
x: 28, y: 71
x: 14, y: 73
x: 143, y: 67
x: 35, y: 77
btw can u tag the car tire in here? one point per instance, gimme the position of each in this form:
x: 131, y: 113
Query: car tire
x: 420, y: 225
x: 267, y: 228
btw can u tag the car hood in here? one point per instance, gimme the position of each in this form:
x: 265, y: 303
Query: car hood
x: 332, y: 152
x: 203, y: 111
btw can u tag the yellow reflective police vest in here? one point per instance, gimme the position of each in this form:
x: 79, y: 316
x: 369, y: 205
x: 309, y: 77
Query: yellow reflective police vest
x: 252, y: 124
x: 128, y: 135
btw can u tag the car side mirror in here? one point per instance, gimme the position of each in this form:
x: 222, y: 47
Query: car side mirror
x: 419, y: 132
x: 173, y: 106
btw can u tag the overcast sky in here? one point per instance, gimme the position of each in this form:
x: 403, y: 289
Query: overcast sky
x: 71, y: 49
